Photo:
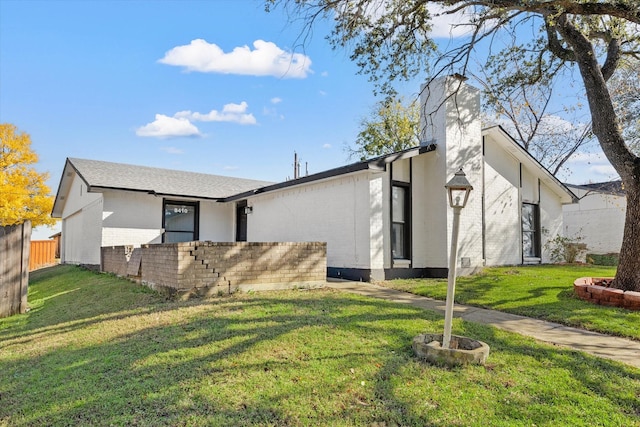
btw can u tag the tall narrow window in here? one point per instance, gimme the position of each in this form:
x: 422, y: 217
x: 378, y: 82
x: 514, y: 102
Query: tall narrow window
x: 180, y: 221
x: 400, y: 219
x: 530, y: 230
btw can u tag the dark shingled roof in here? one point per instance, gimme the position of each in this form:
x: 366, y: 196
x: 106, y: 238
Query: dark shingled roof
x: 98, y: 174
x: 611, y: 187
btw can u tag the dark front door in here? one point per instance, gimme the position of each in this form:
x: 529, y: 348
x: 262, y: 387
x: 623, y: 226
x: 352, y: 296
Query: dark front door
x: 180, y: 221
x: 241, y: 221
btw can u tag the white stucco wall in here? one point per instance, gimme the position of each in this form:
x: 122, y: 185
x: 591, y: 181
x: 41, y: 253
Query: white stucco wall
x: 452, y: 122
x: 550, y: 218
x: 503, y: 242
x: 345, y: 212
x: 429, y: 213
x: 131, y: 218
x: 134, y: 218
x: 598, y: 218
x: 217, y: 221
x: 504, y: 196
x: 114, y: 217
x: 81, y: 225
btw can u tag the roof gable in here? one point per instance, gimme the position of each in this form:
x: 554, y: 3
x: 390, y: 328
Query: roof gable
x: 99, y: 175
x: 506, y: 141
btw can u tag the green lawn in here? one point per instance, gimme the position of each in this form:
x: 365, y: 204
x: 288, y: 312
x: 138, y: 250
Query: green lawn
x: 543, y: 292
x: 97, y: 350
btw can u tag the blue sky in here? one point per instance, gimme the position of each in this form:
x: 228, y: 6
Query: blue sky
x: 125, y: 81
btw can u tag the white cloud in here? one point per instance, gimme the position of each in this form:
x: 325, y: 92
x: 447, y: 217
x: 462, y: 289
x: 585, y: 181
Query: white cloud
x: 586, y: 167
x: 276, y: 100
x: 322, y: 93
x: 327, y: 146
x: 180, y: 124
x: 172, y: 150
x: 604, y: 170
x: 324, y: 74
x: 230, y: 168
x: 168, y: 127
x: 235, y: 113
x: 267, y: 59
x: 448, y: 24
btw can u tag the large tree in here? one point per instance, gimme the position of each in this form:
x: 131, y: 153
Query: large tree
x: 392, y: 126
x: 23, y: 192
x: 586, y: 40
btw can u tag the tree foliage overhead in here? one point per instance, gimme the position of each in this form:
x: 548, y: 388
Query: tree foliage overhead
x: 23, y: 192
x: 584, y: 40
x: 525, y: 109
x: 393, y: 126
x: 625, y: 92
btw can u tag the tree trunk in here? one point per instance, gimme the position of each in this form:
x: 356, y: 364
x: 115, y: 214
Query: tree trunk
x: 628, y: 274
x: 607, y: 129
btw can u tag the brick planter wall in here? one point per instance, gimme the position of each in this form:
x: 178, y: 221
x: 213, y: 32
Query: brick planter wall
x: 207, y: 268
x: 585, y: 289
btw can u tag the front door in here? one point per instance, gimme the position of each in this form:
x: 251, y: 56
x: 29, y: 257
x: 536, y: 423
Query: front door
x: 180, y: 221
x: 241, y: 221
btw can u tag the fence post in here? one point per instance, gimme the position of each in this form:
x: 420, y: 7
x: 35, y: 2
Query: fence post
x: 15, y: 243
x: 24, y: 274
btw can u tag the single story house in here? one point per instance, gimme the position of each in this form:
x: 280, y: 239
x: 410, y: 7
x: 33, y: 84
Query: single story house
x: 598, y: 217
x: 385, y: 217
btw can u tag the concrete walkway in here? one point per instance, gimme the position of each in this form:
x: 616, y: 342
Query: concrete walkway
x: 620, y: 349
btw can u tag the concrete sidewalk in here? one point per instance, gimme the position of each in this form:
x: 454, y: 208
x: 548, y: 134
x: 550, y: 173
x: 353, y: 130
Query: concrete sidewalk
x: 620, y: 349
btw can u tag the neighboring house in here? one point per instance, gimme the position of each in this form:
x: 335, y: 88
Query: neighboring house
x: 598, y: 217
x: 381, y: 218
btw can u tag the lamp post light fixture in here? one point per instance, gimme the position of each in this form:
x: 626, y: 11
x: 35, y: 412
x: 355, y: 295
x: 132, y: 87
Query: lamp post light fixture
x: 458, y: 188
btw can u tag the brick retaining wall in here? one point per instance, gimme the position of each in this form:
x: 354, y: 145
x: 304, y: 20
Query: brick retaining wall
x: 585, y: 289
x: 207, y: 268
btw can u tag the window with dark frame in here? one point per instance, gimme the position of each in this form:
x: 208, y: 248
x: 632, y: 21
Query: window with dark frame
x: 400, y: 221
x: 530, y: 230
x: 180, y: 221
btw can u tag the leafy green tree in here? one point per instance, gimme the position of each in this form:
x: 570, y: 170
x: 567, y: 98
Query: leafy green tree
x: 393, y: 126
x: 585, y: 40
x: 23, y: 192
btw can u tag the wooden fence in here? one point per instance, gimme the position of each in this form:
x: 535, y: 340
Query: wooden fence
x: 43, y: 254
x: 15, y: 243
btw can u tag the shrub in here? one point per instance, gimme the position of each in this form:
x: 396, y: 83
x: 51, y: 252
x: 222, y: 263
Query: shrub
x: 603, y: 259
x: 565, y: 249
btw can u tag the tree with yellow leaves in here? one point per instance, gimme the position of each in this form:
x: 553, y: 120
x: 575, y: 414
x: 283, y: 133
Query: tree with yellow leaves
x: 23, y: 192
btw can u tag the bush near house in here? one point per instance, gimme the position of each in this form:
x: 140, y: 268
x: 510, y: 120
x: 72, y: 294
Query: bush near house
x: 603, y: 259
x: 98, y: 350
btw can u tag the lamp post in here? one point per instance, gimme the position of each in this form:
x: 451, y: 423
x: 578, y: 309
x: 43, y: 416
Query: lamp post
x: 458, y: 188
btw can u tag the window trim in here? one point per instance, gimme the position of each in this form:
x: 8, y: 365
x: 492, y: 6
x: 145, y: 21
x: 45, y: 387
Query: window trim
x: 537, y: 236
x: 196, y: 219
x: 407, y: 221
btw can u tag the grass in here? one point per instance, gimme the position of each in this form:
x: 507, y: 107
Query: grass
x: 543, y: 292
x: 97, y: 350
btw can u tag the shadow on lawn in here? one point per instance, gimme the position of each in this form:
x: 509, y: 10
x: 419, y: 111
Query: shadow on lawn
x: 263, y: 359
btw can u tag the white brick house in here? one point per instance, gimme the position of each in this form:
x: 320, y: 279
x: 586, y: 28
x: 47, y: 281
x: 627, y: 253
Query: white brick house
x: 598, y: 217
x: 381, y: 218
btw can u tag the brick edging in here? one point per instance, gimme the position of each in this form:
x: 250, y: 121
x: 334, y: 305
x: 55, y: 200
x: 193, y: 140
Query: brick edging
x: 585, y: 289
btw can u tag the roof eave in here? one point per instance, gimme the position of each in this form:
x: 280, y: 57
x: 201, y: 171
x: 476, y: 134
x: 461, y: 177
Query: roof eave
x: 63, y: 188
x: 99, y: 189
x: 569, y: 198
x: 378, y: 164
